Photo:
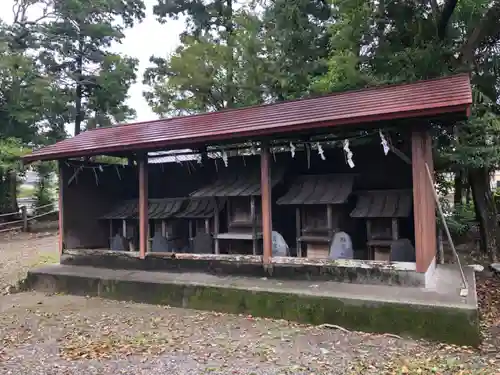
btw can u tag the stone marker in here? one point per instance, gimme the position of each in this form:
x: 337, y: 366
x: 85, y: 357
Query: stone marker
x: 118, y: 243
x: 280, y: 247
x: 159, y: 243
x: 402, y: 251
x: 341, y: 247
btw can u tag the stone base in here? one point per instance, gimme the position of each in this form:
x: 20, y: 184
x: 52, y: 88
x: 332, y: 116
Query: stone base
x: 439, y: 314
x: 284, y: 268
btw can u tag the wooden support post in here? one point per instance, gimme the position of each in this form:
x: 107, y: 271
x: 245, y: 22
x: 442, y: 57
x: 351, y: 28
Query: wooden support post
x: 216, y: 227
x: 423, y: 199
x: 254, y: 225
x: 371, y: 251
x: 143, y: 204
x: 329, y: 220
x: 298, y: 230
x: 61, y: 208
x: 24, y: 215
x: 207, y: 226
x: 440, y: 246
x: 395, y: 229
x: 265, y: 187
x: 110, y: 232
x: 164, y: 229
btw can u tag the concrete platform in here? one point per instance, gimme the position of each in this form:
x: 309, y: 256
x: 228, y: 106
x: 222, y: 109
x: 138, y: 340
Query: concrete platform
x: 286, y: 268
x: 437, y: 312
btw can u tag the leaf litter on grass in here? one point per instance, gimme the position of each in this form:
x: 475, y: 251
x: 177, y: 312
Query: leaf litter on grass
x: 451, y: 359
x: 90, y: 328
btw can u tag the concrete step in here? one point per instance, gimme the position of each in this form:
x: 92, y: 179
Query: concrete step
x: 436, y: 314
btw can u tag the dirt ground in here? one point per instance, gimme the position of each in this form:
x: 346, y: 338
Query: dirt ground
x: 62, y: 334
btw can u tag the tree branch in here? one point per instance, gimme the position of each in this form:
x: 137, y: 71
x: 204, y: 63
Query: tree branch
x: 488, y: 26
x: 435, y: 10
x: 446, y: 13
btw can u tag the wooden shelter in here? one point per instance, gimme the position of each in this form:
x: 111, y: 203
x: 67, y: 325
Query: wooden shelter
x: 320, y: 208
x: 382, y: 211
x: 239, y: 192
x: 411, y: 108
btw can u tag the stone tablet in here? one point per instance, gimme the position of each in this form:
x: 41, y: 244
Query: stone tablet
x: 118, y: 243
x: 280, y: 247
x: 402, y: 251
x: 341, y: 247
x: 159, y: 243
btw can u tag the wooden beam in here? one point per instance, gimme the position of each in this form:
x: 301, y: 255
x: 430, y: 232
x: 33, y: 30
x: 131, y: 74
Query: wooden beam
x: 265, y: 187
x: 61, y: 208
x: 423, y: 199
x: 142, y: 162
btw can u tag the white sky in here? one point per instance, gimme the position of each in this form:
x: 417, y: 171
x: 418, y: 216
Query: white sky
x: 143, y: 40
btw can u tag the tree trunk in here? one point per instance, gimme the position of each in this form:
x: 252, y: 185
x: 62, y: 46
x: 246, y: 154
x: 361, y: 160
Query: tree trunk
x: 230, y: 43
x: 486, y: 211
x: 11, y: 201
x: 459, y: 188
x: 79, y: 87
x: 468, y: 195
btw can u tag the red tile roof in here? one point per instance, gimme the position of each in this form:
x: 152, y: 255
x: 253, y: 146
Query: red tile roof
x: 424, y: 98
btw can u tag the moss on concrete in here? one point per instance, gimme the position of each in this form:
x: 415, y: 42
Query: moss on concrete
x: 457, y: 326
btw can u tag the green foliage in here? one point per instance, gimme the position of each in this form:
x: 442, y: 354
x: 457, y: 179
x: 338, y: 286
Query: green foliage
x: 110, y: 160
x: 296, y: 43
x: 11, y: 151
x: 460, y: 219
x: 235, y: 56
x: 57, y: 69
x: 76, y: 51
x: 195, y: 78
x: 44, y: 191
x: 202, y: 16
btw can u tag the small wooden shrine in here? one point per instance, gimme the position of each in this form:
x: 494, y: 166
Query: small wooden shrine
x: 238, y: 192
x: 383, y: 210
x: 160, y: 213
x: 320, y: 209
x: 201, y: 215
x: 122, y: 229
x: 162, y: 221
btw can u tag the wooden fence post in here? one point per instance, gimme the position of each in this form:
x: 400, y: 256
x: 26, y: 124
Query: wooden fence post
x: 24, y: 214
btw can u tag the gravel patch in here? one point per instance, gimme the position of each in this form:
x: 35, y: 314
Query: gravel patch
x: 60, y: 334
x: 21, y: 251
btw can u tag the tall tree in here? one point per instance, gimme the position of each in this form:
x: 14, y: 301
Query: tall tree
x: 206, y: 19
x: 77, y: 50
x: 23, y: 96
x: 297, y: 39
x: 195, y: 78
x: 233, y: 55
